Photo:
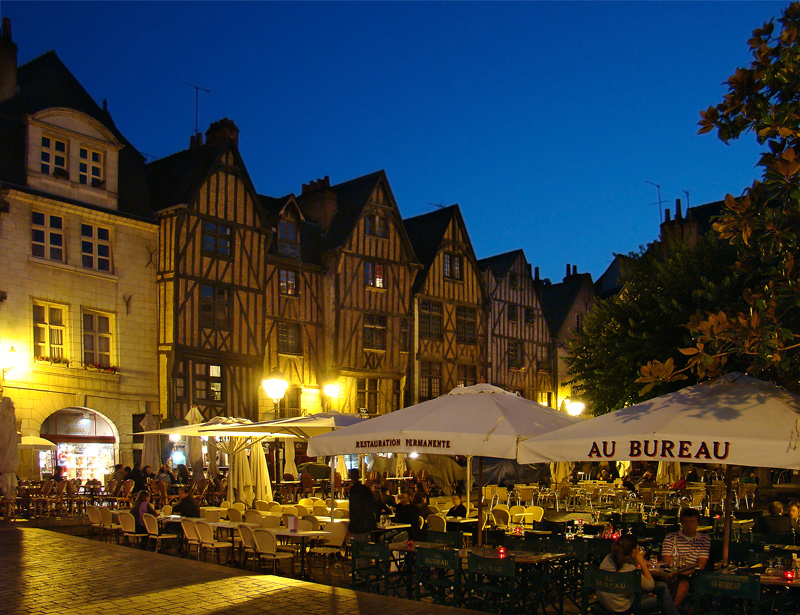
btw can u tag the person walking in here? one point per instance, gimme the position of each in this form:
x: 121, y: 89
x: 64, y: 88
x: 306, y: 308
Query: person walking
x: 362, y: 508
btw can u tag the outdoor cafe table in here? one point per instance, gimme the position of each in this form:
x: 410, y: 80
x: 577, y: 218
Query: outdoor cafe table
x: 458, y: 523
x: 232, y: 526
x: 668, y: 574
x: 205, y: 509
x: 303, y: 535
x: 390, y: 527
x: 520, y: 557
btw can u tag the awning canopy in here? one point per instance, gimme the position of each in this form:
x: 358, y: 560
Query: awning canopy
x: 735, y: 420
x: 304, y: 427
x: 480, y: 420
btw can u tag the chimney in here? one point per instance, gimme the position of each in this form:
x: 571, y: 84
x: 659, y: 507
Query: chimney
x: 536, y: 274
x: 667, y: 216
x: 317, y: 201
x: 8, y: 62
x: 678, y: 214
x: 219, y: 132
x: 574, y: 270
x: 568, y: 269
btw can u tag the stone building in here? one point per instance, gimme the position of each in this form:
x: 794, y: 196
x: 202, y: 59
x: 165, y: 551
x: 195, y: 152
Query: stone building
x: 78, y: 286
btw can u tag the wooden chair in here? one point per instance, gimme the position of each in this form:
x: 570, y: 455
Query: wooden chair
x: 252, y: 516
x: 261, y: 505
x: 234, y: 515
x: 270, y: 521
x: 306, y: 484
x: 267, y: 549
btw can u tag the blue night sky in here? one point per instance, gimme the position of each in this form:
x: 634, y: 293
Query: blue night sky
x: 542, y: 120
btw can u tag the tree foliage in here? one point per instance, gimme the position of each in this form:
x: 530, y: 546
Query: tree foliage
x: 761, y: 331
x: 660, y: 293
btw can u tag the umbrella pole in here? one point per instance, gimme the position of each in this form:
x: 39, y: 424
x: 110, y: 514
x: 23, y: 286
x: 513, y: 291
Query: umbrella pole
x: 480, y: 501
x: 726, y: 532
x: 334, y: 460
x: 469, y: 480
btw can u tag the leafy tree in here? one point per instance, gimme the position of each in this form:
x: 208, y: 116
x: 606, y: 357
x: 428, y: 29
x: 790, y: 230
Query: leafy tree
x: 662, y: 288
x: 761, y: 331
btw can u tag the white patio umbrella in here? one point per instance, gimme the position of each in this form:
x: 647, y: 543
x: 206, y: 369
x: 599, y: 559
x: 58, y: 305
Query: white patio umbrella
x: 400, y: 464
x: 213, y: 466
x: 8, y: 448
x: 151, y: 449
x: 28, y: 451
x: 262, y: 487
x: 240, y: 479
x: 561, y: 471
x: 480, y: 420
x: 668, y: 472
x: 194, y: 446
x: 735, y: 420
x: 623, y: 467
x: 289, y: 466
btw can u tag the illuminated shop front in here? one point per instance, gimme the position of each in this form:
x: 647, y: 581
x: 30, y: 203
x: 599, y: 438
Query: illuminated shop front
x: 85, y: 444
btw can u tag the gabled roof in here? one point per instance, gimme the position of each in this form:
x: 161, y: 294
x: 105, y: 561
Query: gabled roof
x: 174, y: 180
x: 45, y: 83
x: 500, y: 264
x: 557, y: 299
x: 426, y: 233
x: 351, y: 197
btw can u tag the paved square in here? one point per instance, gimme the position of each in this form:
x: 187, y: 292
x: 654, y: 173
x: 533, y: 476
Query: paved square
x: 46, y: 573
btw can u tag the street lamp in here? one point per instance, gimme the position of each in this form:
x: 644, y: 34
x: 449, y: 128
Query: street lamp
x: 331, y: 390
x: 574, y: 408
x: 9, y: 362
x: 275, y: 385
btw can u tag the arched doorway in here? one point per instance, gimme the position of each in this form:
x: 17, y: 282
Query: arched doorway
x: 86, y: 444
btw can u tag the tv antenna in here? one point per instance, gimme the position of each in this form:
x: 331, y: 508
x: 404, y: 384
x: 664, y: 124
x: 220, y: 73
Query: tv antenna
x: 439, y: 205
x: 686, y: 192
x: 197, y: 90
x: 660, y: 201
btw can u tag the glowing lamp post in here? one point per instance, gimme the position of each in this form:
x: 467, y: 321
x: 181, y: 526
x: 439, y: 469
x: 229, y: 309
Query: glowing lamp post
x: 574, y: 408
x: 331, y: 391
x: 275, y: 385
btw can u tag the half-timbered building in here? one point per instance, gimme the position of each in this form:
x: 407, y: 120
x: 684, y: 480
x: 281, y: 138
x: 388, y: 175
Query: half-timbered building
x: 450, y: 304
x: 521, y: 356
x: 369, y: 269
x: 295, y: 311
x: 565, y: 306
x: 212, y: 254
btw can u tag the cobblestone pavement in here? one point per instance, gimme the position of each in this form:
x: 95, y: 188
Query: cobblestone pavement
x: 47, y: 573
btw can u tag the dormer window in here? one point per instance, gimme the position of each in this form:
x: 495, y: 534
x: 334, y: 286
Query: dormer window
x: 288, y: 239
x: 453, y: 266
x: 90, y: 167
x: 54, y: 157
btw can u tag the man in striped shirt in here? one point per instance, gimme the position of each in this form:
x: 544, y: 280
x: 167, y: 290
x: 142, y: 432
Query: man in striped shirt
x: 693, y: 547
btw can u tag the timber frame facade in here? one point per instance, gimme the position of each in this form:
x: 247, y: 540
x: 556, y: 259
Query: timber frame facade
x: 369, y: 267
x: 450, y: 306
x: 212, y: 250
x: 521, y: 350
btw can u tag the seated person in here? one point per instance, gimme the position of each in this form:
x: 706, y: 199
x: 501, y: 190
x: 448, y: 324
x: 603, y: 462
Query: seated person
x: 692, y: 476
x: 774, y: 522
x: 679, y: 484
x: 604, y: 476
x: 380, y: 505
x: 458, y: 509
x: 627, y: 482
x: 794, y: 516
x: 420, y: 496
x: 406, y: 512
x: 164, y: 475
x: 388, y: 498
x: 187, y: 506
x: 140, y: 507
x: 693, y: 547
x: 625, y: 556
